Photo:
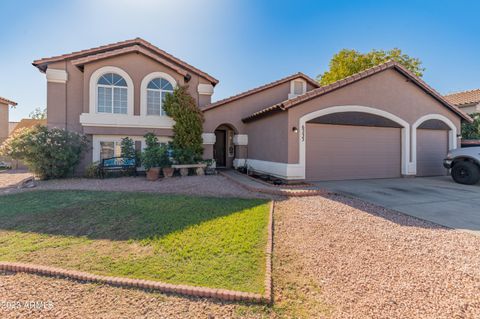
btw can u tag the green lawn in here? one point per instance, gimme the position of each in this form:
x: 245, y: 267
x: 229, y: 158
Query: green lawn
x: 214, y: 242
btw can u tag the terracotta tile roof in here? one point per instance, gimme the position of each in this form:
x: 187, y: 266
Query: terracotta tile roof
x: 7, y: 101
x: 135, y: 48
x: 354, y: 78
x: 260, y: 89
x: 464, y: 97
x: 42, y: 64
x: 27, y: 123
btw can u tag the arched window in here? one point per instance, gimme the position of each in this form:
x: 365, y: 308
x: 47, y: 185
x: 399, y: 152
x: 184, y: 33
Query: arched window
x: 157, y: 89
x: 112, y: 94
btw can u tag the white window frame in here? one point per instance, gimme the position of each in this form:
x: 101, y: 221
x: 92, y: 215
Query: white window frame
x: 113, y: 87
x: 143, y: 87
x: 93, y: 94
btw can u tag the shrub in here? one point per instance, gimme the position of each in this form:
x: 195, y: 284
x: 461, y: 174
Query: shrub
x: 93, y: 170
x: 188, y: 128
x: 49, y: 153
x: 151, y: 153
x: 164, y: 156
x: 471, y: 131
x: 127, y: 147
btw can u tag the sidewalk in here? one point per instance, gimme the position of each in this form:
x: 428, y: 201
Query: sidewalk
x: 254, y: 185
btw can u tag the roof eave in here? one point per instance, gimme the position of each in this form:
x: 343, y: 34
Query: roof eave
x: 357, y: 77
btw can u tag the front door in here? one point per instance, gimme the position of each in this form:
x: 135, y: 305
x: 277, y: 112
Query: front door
x: 219, y: 150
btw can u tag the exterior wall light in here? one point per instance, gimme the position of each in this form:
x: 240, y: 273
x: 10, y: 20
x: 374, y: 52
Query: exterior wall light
x: 294, y: 129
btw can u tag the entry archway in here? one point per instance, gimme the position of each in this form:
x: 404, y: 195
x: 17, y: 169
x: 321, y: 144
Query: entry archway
x: 224, y: 148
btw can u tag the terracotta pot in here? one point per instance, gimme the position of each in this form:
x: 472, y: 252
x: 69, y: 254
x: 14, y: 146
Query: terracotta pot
x: 168, y: 171
x: 153, y: 173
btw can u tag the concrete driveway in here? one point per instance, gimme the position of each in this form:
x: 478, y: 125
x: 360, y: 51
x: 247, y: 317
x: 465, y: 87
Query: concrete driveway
x: 436, y: 199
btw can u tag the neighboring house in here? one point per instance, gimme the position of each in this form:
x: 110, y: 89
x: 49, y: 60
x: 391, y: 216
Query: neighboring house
x: 11, y: 126
x: 467, y: 101
x: 26, y: 124
x: 4, y: 125
x: 383, y: 122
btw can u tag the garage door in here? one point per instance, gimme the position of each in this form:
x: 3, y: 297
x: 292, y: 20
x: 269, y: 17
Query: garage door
x: 432, y: 146
x: 336, y: 152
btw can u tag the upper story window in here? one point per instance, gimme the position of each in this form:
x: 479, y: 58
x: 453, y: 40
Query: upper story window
x: 112, y: 94
x: 157, y: 89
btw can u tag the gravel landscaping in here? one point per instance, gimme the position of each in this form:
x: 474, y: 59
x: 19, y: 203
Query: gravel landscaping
x: 357, y: 260
x: 215, y: 185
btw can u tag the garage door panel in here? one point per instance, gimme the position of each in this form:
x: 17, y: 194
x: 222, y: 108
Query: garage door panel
x: 432, y: 146
x: 336, y: 152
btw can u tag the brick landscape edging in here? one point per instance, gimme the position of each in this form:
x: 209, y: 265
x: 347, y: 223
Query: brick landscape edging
x: 222, y: 294
x: 268, y: 254
x: 279, y: 192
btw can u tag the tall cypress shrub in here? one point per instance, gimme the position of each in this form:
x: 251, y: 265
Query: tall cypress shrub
x: 187, y: 139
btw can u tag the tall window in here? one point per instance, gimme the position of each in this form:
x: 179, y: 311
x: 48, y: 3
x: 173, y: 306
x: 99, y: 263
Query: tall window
x: 112, y: 94
x: 157, y: 89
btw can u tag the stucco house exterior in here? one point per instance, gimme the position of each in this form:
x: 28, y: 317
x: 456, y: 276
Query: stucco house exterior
x: 5, y: 104
x: 383, y: 122
x: 467, y: 101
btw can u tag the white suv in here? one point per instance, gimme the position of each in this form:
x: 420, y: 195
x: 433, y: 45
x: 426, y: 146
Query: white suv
x: 464, y: 164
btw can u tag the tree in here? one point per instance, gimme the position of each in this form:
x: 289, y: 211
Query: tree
x: 471, y: 131
x: 49, y: 153
x: 187, y: 139
x: 348, y: 62
x: 38, y: 114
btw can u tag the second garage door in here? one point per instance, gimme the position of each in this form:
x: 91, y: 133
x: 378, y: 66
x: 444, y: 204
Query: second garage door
x: 339, y: 152
x: 432, y: 146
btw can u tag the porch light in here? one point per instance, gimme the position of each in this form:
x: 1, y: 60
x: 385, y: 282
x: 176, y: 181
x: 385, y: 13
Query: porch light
x: 294, y: 129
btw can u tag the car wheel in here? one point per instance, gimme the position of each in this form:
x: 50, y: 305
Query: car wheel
x: 466, y: 173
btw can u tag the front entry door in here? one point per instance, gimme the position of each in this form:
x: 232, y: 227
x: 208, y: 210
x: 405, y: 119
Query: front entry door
x: 220, y: 148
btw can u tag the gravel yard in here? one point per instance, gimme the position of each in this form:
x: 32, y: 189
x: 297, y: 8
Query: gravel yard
x: 363, y: 261
x: 333, y: 258
x: 212, y: 185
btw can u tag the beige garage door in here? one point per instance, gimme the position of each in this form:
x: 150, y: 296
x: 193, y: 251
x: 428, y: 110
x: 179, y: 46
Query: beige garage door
x: 432, y: 146
x: 336, y: 152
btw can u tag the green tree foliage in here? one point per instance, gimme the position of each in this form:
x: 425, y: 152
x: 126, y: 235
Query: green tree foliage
x: 188, y: 128
x: 348, y: 62
x: 127, y: 147
x: 154, y: 154
x: 471, y: 131
x: 38, y: 114
x: 49, y: 153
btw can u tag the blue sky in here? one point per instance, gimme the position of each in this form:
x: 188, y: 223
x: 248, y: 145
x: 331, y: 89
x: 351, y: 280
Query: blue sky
x: 243, y: 43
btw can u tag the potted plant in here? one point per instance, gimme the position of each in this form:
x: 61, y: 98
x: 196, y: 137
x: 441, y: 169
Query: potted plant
x: 151, y: 157
x: 165, y: 162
